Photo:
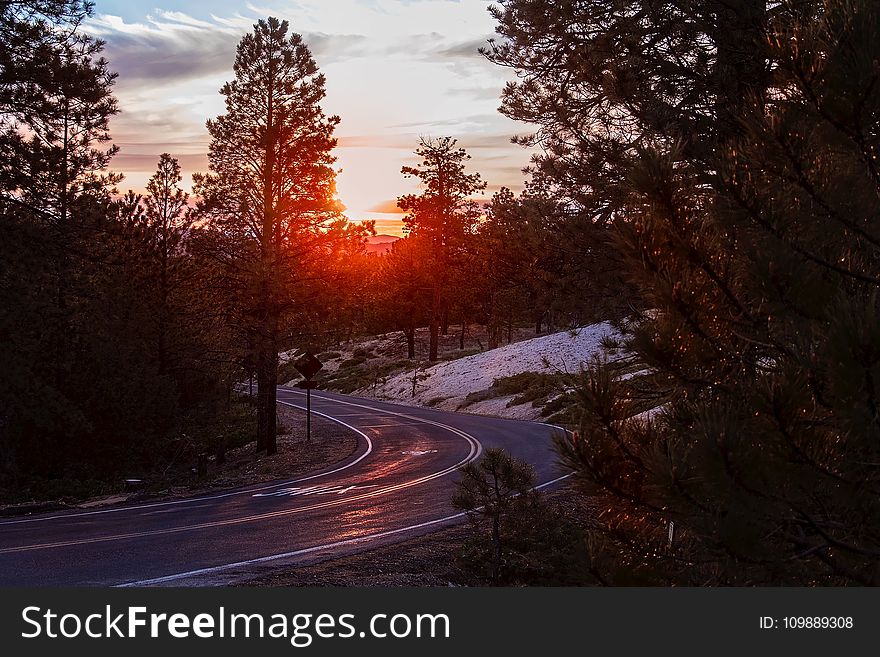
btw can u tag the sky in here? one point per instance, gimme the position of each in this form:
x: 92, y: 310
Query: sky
x: 396, y: 70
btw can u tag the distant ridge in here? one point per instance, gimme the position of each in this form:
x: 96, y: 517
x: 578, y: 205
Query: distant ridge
x: 380, y: 244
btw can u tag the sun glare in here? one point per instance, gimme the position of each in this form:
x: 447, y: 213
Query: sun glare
x: 369, y: 183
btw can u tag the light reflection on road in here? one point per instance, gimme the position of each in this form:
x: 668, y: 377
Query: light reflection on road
x: 295, y: 491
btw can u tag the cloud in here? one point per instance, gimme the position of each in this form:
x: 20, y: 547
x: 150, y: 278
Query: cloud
x: 387, y: 207
x: 137, y: 128
x: 395, y: 70
x: 461, y: 56
x: 172, y: 47
x: 404, y: 141
x: 140, y: 161
x: 491, y: 141
x: 331, y: 48
x: 467, y: 49
x: 477, y: 93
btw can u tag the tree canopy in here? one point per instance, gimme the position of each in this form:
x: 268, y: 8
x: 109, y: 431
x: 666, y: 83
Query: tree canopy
x: 728, y: 148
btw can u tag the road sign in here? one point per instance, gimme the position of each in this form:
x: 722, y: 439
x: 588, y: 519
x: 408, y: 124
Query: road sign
x: 305, y: 384
x: 308, y: 365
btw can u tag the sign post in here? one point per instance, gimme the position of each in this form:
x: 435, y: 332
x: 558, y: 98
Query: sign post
x: 308, y: 366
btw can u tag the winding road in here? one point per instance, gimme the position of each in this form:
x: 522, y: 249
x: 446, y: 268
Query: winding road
x: 397, y: 484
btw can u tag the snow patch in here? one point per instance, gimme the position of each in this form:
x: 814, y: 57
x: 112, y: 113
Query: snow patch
x: 446, y: 385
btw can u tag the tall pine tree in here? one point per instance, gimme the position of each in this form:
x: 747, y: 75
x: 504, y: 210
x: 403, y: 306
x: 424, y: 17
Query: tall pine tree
x: 168, y: 219
x: 270, y: 192
x: 443, y: 215
x: 747, y: 221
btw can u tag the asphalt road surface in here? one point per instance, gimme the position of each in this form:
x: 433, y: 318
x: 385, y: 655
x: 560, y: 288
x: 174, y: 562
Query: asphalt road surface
x: 397, y: 484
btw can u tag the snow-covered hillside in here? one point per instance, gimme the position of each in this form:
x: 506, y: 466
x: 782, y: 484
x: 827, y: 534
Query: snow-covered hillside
x: 446, y: 385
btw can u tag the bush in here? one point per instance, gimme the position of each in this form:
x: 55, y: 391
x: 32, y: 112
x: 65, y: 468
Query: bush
x: 476, y: 397
x: 517, y: 537
x: 286, y: 372
x: 353, y: 361
x: 525, y: 387
x: 609, y: 343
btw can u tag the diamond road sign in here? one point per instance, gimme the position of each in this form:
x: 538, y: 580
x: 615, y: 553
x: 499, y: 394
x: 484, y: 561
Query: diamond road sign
x: 308, y: 365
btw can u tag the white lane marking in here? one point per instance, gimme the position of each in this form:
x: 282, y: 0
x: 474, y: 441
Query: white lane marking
x: 553, y: 426
x: 475, y: 451
x: 156, y: 513
x: 461, y: 433
x: 347, y: 414
x: 468, y: 437
x: 190, y: 500
x: 295, y: 491
x: 309, y: 550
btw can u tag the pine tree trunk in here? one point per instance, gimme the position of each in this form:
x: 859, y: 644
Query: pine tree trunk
x: 262, y: 398
x: 434, y: 330
x: 492, y: 322
x: 163, y: 309
x: 740, y: 68
x: 410, y: 333
x: 434, y: 326
x: 267, y: 383
x: 267, y: 378
x: 272, y: 389
x: 494, y: 336
x: 461, y: 335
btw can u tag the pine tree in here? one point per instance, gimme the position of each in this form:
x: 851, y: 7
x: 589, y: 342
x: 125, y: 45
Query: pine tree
x: 600, y: 81
x: 535, y: 269
x: 82, y: 397
x: 752, y: 243
x: 340, y: 287
x: 55, y: 105
x: 405, y: 287
x: 443, y: 215
x: 169, y: 220
x: 57, y: 109
x: 270, y: 191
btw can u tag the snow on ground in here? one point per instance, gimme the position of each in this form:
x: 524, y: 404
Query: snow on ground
x: 445, y: 385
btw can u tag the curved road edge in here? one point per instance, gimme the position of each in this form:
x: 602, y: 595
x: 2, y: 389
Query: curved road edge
x: 364, y: 443
x: 241, y: 571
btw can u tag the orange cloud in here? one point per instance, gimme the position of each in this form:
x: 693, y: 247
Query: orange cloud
x: 387, y: 207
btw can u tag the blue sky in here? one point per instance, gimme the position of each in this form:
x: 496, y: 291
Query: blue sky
x: 395, y: 69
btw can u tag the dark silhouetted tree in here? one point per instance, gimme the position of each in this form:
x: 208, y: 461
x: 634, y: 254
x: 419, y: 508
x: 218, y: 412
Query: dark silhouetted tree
x: 517, y: 536
x: 601, y: 81
x: 168, y: 220
x: 733, y: 145
x: 443, y: 215
x: 270, y: 192
x: 405, y: 283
